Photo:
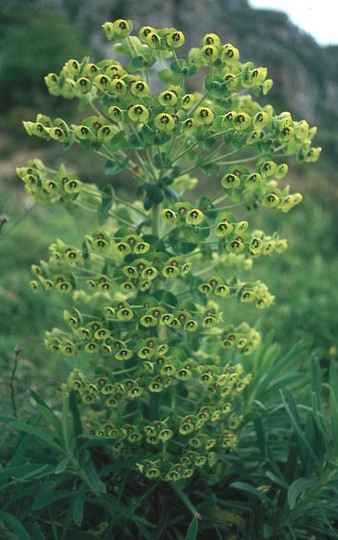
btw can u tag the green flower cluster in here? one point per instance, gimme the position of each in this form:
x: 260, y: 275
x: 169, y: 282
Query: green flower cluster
x: 198, y: 416
x: 165, y: 367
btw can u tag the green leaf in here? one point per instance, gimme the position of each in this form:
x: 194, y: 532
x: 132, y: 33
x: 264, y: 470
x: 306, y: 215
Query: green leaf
x: 94, y: 479
x: 261, y: 437
x: 179, y: 245
x: 78, y: 504
x: 195, y: 234
x: 20, y: 450
x: 168, y: 77
x: 333, y: 381
x: 305, y: 449
x: 62, y: 465
x: 75, y: 413
x: 51, y: 419
x: 108, y: 198
x: 44, y: 499
x: 22, y: 471
x: 296, y: 488
x: 277, y: 480
x: 209, y: 142
x: 251, y: 490
x: 35, y: 532
x: 192, y: 530
x: 74, y: 534
x: 136, y: 64
x: 316, y: 382
x: 117, y: 142
x: 38, y: 433
x: 333, y: 401
x: 114, y: 167
x: 15, y: 525
x: 36, y: 472
x: 67, y: 428
x: 162, y: 161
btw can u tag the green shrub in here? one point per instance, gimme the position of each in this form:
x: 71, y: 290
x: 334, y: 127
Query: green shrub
x: 155, y: 398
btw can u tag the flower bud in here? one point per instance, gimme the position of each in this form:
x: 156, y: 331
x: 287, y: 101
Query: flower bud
x: 122, y: 27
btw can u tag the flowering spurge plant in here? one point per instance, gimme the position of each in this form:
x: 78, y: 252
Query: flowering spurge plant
x: 152, y: 283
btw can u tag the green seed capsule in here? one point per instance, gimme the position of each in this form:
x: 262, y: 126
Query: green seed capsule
x: 230, y: 54
x: 175, y: 39
x: 271, y: 200
x: 194, y: 217
x: 209, y: 53
x: 211, y: 39
x: 189, y: 125
x: 230, y: 181
x: 241, y: 121
x: 167, y: 98
x: 102, y: 81
x: 187, y: 101
x: 168, y: 216
x: 73, y: 66
x: 84, y: 85
x: 108, y: 29
x: 138, y: 113
x: 164, y: 122
x: 153, y: 40
x: 204, y: 116
x: 224, y: 228
x: 116, y: 114
x: 106, y: 133
x: 139, y: 88
x: 118, y: 87
x: 144, y: 31
x: 122, y: 27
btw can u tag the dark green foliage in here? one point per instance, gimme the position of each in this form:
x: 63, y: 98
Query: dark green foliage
x: 22, y: 64
x: 281, y: 482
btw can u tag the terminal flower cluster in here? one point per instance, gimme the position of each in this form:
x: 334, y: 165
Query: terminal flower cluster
x: 165, y: 368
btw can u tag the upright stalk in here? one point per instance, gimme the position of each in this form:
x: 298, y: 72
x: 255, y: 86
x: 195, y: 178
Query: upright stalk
x: 154, y: 403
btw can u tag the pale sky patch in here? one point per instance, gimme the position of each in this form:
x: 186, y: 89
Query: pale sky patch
x: 316, y: 17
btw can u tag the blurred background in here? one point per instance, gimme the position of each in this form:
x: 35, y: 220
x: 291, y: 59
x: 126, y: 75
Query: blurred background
x: 38, y: 36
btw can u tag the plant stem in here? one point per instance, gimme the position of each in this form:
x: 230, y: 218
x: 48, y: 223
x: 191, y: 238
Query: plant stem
x: 185, y: 500
x: 155, y: 220
x: 17, y: 351
x: 154, y: 397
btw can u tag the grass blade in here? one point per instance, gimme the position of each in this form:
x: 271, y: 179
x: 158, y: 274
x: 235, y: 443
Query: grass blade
x: 192, y: 530
x: 38, y: 433
x: 243, y: 486
x: 15, y: 525
x: 78, y: 504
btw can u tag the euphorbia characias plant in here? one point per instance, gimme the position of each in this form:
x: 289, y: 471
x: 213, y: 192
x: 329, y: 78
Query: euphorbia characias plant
x: 165, y: 367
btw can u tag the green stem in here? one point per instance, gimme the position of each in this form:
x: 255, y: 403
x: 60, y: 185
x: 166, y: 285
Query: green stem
x: 133, y: 51
x: 90, y: 208
x: 232, y: 162
x: 124, y: 371
x: 184, y: 152
x: 185, y: 500
x: 155, y: 220
x: 154, y: 400
x: 199, y: 102
x: 230, y: 206
x: 131, y: 206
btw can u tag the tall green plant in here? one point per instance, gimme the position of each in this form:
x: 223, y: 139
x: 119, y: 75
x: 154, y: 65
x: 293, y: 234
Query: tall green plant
x: 160, y: 366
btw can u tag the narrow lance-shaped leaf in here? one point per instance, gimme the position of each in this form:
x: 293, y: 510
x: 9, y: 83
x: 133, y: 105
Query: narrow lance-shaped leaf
x: 38, y: 433
x: 296, y: 488
x: 15, y: 525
